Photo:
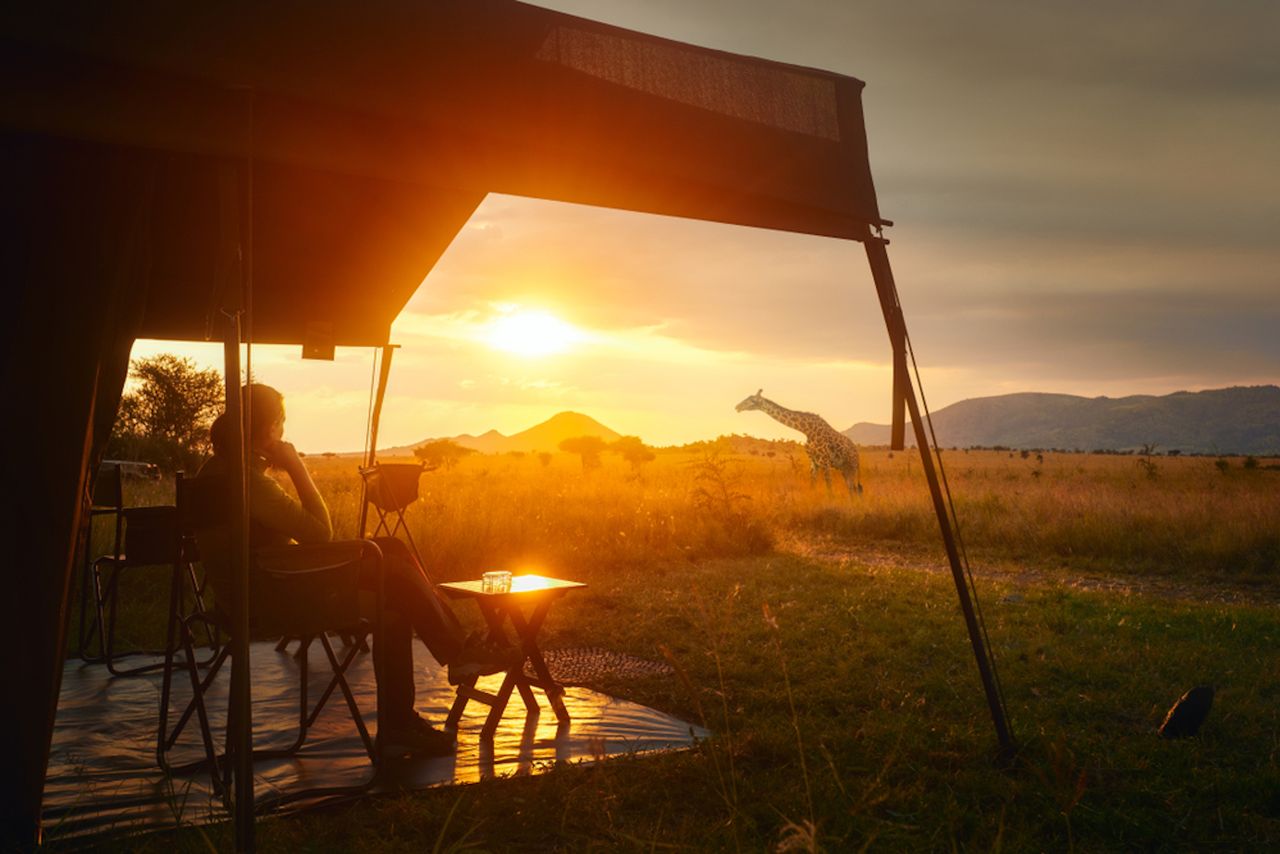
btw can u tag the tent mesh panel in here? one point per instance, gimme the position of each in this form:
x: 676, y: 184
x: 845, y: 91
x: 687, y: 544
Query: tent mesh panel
x: 771, y: 95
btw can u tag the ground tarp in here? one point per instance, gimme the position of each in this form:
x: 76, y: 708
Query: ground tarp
x: 103, y: 776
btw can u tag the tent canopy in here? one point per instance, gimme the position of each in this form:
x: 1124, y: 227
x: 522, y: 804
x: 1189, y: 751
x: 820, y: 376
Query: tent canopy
x: 376, y: 129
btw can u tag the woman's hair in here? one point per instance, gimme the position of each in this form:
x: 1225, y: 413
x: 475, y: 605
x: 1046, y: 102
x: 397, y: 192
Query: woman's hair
x: 266, y: 409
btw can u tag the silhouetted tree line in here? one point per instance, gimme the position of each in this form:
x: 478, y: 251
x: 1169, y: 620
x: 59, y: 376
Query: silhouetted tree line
x: 165, y: 413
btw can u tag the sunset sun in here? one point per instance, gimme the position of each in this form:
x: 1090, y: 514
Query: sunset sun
x: 532, y: 333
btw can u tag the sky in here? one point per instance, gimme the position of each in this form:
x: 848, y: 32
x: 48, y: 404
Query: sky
x: 1086, y: 200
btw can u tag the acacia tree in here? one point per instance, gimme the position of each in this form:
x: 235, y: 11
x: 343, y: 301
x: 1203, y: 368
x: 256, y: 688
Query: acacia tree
x: 165, y: 415
x: 634, y: 451
x: 440, y: 452
x: 588, y: 448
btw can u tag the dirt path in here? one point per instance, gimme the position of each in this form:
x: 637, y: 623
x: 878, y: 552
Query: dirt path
x: 1123, y: 583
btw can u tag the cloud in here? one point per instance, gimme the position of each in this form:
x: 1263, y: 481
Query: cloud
x: 1025, y: 150
x: 1110, y: 336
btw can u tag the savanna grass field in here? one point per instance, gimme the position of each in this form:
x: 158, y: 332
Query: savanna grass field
x: 818, y: 637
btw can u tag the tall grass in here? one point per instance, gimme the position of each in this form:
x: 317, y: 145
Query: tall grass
x: 1171, y: 515
x: 517, y: 513
x: 1177, y: 516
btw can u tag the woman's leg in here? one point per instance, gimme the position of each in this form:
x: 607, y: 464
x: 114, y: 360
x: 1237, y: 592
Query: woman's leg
x: 407, y: 586
x: 393, y: 667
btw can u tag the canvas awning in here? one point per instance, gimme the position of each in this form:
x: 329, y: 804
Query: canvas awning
x: 151, y: 149
x: 378, y: 127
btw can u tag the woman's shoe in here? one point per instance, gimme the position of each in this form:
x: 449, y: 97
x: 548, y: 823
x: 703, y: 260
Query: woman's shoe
x: 416, y: 737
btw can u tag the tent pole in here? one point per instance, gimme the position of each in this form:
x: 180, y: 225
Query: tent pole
x: 887, y: 290
x: 239, y: 725
x: 371, y: 452
x: 233, y: 281
x: 384, y: 374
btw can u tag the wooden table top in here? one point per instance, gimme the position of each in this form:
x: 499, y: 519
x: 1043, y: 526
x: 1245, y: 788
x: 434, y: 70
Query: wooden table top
x: 520, y: 584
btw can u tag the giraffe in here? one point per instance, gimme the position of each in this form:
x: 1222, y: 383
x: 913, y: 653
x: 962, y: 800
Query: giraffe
x: 827, y: 447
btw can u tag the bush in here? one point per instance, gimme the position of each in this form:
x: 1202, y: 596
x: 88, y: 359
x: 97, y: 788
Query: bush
x: 444, y: 452
x: 165, y: 417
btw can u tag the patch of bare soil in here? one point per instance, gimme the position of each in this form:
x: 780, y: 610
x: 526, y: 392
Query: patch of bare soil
x: 889, y: 557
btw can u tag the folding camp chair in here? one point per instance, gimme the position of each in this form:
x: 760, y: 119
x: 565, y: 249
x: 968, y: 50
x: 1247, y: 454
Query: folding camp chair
x: 391, y: 488
x: 151, y: 538
x: 302, y: 591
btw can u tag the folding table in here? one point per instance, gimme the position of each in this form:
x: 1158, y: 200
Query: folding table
x: 527, y: 591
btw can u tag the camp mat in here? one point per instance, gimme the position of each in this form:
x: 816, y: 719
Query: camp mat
x: 103, y: 775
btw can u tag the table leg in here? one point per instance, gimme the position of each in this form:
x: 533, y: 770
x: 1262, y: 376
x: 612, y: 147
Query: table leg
x: 495, y: 616
x: 500, y: 706
x: 528, y: 632
x: 459, y: 704
x: 526, y: 693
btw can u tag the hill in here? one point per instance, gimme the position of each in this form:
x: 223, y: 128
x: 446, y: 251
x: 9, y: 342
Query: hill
x: 1238, y: 420
x: 546, y: 436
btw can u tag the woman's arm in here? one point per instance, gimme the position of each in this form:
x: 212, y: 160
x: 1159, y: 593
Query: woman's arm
x: 306, y: 522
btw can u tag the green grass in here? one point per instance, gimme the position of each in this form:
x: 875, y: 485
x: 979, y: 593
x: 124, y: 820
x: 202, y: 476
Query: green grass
x: 859, y: 719
x: 897, y: 744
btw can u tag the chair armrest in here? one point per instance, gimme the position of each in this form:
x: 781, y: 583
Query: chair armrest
x: 311, y: 558
x: 307, y: 589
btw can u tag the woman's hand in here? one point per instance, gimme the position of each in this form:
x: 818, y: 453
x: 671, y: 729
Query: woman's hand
x: 283, y: 455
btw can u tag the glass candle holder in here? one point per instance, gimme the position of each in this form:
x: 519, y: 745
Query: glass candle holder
x: 496, y: 582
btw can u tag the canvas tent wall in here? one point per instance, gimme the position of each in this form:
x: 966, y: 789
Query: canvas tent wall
x: 371, y: 131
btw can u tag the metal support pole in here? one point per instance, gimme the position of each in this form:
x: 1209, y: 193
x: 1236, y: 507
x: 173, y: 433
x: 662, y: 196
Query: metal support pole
x: 384, y: 374
x: 233, y: 281
x: 239, y: 708
x: 375, y: 417
x: 885, y: 287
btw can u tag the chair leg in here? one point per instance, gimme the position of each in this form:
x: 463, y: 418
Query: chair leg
x: 328, y: 690
x: 198, y: 688
x: 340, y: 676
x: 88, y: 623
x: 109, y: 638
x: 166, y: 680
x: 197, y: 599
x: 100, y: 617
x: 282, y: 645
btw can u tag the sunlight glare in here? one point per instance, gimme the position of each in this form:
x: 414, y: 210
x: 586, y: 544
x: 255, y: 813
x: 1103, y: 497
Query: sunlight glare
x: 531, y: 333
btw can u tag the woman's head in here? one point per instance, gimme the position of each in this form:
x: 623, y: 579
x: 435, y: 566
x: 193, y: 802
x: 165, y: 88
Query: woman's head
x: 265, y: 408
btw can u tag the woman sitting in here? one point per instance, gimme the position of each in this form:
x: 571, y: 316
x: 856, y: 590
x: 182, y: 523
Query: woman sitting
x: 278, y: 518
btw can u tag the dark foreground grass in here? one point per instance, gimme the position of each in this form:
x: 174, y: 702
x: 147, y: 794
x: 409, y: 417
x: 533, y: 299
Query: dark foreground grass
x: 848, y: 715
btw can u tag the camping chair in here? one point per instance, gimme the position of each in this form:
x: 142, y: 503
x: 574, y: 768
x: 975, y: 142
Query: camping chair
x: 391, y: 488
x: 302, y: 591
x: 106, y: 499
x: 151, y: 538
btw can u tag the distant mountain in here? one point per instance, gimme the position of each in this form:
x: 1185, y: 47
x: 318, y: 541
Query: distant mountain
x: 1239, y: 420
x: 546, y: 436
